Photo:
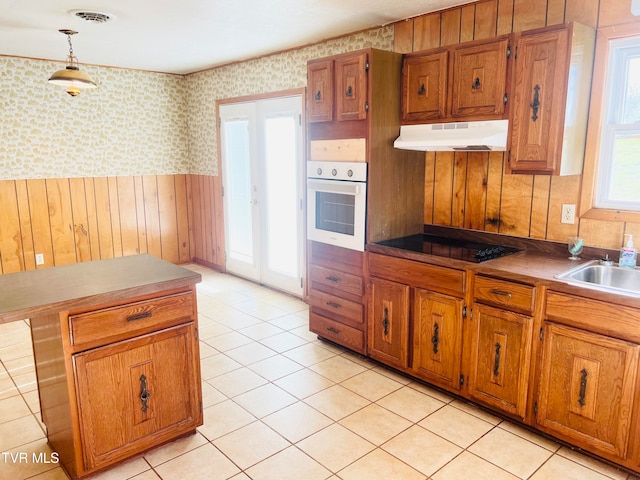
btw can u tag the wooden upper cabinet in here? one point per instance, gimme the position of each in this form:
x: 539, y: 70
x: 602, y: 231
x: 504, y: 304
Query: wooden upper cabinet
x: 338, y: 88
x: 479, y: 79
x: 320, y: 95
x: 351, y: 86
x: 424, y: 86
x: 550, y: 99
x: 437, y: 338
x: 587, y: 389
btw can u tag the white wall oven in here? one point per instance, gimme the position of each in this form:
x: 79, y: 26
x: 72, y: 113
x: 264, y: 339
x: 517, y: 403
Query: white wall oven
x: 337, y: 203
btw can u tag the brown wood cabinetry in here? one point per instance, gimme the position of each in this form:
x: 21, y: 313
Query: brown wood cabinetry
x: 424, y: 86
x: 320, y: 95
x: 465, y: 81
x: 588, y: 380
x: 550, y: 98
x: 501, y: 344
x: 437, y: 340
x: 338, y: 84
x: 116, y: 355
x: 479, y: 74
x: 389, y: 322
x: 336, y: 295
x: 413, y: 300
x: 587, y: 389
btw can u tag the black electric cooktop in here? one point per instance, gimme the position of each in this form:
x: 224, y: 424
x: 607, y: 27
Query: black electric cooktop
x: 450, y: 247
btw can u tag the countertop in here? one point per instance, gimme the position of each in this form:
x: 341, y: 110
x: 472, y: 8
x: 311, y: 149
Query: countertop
x: 55, y: 289
x: 530, y: 267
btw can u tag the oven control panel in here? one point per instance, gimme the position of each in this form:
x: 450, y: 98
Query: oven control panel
x: 350, y: 171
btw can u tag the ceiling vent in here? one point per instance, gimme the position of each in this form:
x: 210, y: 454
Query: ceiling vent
x: 93, y: 17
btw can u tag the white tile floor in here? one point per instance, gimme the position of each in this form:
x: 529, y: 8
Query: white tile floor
x: 279, y: 404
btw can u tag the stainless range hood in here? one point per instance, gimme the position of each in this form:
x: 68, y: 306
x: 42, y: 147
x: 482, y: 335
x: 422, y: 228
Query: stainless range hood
x: 464, y: 136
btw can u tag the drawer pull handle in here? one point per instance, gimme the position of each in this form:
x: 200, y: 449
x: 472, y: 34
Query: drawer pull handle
x: 500, y: 292
x: 496, y: 360
x: 385, y: 321
x: 334, y: 304
x: 144, y: 393
x: 333, y: 279
x: 422, y: 90
x: 139, y: 316
x: 318, y: 95
x: 333, y: 330
x: 349, y: 92
x: 583, y: 386
x: 476, y: 84
x: 435, y: 339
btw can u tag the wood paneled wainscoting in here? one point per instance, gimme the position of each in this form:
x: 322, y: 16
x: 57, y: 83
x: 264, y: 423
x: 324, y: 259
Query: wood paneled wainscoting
x: 174, y: 217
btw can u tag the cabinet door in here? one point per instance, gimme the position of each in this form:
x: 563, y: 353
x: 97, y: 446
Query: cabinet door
x: 479, y: 80
x: 501, y: 351
x: 538, y: 101
x: 388, y: 322
x: 437, y: 338
x: 320, y: 94
x: 137, y: 393
x: 587, y: 388
x: 424, y: 87
x: 351, y: 87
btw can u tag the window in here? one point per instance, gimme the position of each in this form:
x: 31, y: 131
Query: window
x: 618, y: 170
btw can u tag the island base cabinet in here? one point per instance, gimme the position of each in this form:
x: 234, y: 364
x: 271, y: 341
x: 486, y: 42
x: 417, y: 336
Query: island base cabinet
x: 587, y: 389
x: 136, y: 393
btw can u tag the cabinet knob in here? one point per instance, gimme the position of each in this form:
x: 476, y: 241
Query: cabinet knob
x: 349, y: 92
x: 422, y: 90
x: 476, y: 84
x: 318, y: 95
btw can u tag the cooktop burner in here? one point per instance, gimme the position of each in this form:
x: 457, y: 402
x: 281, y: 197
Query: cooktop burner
x: 450, y: 247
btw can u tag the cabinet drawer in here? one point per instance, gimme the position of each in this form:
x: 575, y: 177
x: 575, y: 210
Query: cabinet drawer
x: 616, y: 321
x: 504, y: 294
x: 417, y: 274
x: 133, y: 318
x: 350, y: 337
x: 334, y: 279
x: 336, y: 307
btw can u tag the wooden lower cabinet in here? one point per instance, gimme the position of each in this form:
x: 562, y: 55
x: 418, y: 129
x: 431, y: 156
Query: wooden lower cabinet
x: 336, y: 296
x: 587, y: 389
x: 389, y: 322
x: 135, y: 393
x: 500, y: 358
x: 437, y: 337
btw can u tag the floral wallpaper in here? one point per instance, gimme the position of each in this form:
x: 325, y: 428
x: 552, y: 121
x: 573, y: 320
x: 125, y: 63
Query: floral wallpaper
x: 136, y: 122
x: 272, y: 73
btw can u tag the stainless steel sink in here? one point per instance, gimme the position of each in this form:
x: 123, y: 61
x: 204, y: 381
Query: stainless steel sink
x: 607, y: 278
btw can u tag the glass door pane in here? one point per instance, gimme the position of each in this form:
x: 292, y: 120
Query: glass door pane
x: 282, y: 195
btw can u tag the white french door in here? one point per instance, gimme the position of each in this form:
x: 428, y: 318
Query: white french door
x: 262, y: 174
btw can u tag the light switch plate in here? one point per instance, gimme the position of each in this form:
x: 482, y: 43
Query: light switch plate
x: 39, y: 259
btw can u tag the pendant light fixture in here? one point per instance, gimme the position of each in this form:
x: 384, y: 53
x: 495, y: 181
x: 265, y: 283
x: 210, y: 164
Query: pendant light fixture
x: 71, y: 77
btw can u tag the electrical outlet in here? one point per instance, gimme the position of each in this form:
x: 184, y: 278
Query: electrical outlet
x: 568, y: 213
x: 39, y: 259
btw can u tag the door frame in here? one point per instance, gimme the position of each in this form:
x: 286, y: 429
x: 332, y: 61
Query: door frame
x: 219, y: 206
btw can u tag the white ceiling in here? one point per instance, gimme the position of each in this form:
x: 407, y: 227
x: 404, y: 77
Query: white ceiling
x: 183, y: 36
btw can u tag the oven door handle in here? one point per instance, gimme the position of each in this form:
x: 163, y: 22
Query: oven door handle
x: 335, y: 186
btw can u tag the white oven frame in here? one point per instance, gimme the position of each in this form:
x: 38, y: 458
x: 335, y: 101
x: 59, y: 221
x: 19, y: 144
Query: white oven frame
x: 359, y: 191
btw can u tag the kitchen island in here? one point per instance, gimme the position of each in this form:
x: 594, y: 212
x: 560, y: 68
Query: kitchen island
x: 116, y: 355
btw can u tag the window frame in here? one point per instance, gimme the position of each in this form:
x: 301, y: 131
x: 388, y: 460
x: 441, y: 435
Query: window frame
x: 594, y: 129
